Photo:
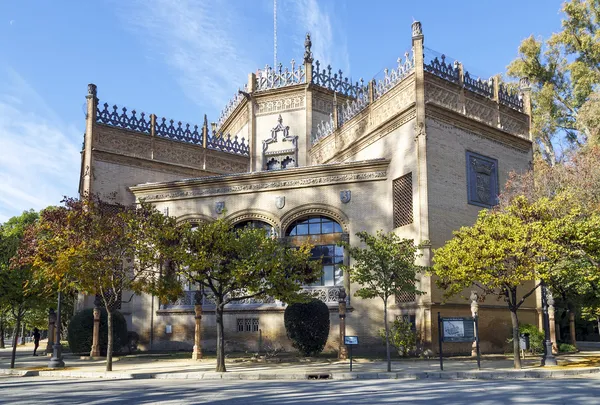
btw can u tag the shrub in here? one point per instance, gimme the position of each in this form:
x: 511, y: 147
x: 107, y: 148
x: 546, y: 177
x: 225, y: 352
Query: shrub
x: 566, y: 347
x: 536, y: 337
x: 402, y: 337
x: 307, y: 325
x: 81, y: 327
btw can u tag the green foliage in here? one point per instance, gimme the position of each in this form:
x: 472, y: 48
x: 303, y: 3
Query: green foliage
x: 234, y: 265
x: 566, y: 348
x: 307, y: 325
x: 384, y: 268
x: 101, y: 248
x: 565, y: 74
x: 536, y: 337
x: 81, y: 326
x: 402, y: 337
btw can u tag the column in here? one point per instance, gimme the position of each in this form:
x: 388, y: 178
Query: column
x: 474, y: 312
x: 95, y: 352
x: 343, y: 350
x: 51, y: 326
x: 197, y: 353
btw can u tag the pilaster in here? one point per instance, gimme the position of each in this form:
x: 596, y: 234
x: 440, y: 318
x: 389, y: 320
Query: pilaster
x: 85, y: 186
x: 251, y: 136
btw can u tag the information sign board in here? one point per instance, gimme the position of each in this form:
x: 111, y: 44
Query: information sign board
x: 350, y: 340
x: 458, y: 329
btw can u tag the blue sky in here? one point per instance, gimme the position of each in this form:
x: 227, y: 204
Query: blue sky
x: 182, y: 59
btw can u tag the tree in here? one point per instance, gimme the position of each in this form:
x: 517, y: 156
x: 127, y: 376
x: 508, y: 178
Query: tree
x: 501, y: 254
x: 576, y: 180
x: 19, y: 293
x: 100, y: 248
x: 384, y: 268
x: 234, y: 265
x: 565, y: 74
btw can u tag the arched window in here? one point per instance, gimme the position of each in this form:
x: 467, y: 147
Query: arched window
x: 313, y: 225
x: 324, y: 233
x: 256, y: 224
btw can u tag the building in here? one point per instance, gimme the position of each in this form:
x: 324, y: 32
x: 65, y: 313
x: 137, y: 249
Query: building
x: 306, y: 153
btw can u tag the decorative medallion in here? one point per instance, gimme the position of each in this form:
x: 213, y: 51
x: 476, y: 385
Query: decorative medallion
x: 345, y: 196
x: 220, y: 207
x: 280, y: 202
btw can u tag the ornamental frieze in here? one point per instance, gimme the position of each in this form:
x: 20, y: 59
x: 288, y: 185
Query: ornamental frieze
x: 281, y: 104
x: 313, y: 181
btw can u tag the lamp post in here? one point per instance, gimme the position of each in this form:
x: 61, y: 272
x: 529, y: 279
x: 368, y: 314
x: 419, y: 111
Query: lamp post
x: 548, y: 359
x: 474, y: 312
x: 343, y: 350
x: 57, y: 360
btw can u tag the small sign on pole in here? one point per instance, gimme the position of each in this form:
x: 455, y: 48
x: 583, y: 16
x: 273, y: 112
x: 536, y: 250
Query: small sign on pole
x: 350, y: 341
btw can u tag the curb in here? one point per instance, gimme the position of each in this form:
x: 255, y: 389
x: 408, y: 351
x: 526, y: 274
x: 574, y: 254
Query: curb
x: 445, y: 375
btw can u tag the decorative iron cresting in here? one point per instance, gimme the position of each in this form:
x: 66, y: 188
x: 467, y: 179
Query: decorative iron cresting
x: 443, y: 69
x: 226, y: 144
x: 122, y: 118
x: 394, y: 76
x: 274, y: 78
x: 324, y: 129
x: 510, y: 97
x: 352, y: 107
x: 178, y: 132
x: 336, y: 81
x: 231, y: 106
x: 481, y: 87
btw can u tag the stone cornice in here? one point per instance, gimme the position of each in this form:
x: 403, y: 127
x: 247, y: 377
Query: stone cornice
x: 310, y: 176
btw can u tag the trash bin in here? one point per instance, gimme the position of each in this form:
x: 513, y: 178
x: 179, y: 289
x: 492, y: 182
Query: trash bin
x: 524, y: 341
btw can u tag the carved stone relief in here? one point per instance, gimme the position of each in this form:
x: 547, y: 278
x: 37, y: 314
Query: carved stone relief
x: 281, y: 104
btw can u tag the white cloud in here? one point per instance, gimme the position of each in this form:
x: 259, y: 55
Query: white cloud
x: 328, y: 43
x: 39, y: 159
x: 194, y: 38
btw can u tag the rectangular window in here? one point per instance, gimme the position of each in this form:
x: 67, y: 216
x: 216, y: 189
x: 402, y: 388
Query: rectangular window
x: 412, y: 319
x: 403, y: 200
x: 332, y: 256
x: 247, y: 324
x: 482, y: 180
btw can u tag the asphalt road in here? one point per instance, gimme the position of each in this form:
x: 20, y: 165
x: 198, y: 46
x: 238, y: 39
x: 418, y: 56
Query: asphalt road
x: 37, y: 390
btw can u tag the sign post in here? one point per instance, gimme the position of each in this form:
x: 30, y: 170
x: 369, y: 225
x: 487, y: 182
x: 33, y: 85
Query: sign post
x: 350, y: 341
x: 454, y: 330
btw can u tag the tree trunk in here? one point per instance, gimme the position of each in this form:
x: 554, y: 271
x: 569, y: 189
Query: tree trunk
x: 515, y: 329
x: 2, y: 332
x: 109, y: 346
x: 387, y: 337
x: 598, y: 319
x: 220, y: 340
x: 15, y: 340
x: 572, y: 327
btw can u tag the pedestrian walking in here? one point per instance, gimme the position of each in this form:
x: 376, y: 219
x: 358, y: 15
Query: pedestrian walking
x: 36, y: 340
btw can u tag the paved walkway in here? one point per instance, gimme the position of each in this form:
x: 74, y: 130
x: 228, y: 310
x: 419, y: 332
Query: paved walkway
x: 178, y: 366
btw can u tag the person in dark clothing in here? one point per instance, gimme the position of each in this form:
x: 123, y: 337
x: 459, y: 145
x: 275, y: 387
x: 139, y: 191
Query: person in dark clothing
x: 36, y: 340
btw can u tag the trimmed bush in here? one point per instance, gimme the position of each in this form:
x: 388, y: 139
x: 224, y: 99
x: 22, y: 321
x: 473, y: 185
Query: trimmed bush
x: 81, y: 328
x: 566, y: 348
x: 536, y: 337
x: 307, y: 325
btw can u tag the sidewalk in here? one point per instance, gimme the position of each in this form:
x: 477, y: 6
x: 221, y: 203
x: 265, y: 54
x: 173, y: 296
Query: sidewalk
x: 179, y: 366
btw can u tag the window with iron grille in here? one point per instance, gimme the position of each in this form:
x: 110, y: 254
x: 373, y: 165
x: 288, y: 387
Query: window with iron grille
x: 403, y: 200
x: 247, y: 324
x: 412, y: 319
x: 406, y: 297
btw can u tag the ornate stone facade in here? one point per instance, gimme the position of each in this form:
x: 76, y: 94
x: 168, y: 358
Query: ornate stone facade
x: 454, y: 137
